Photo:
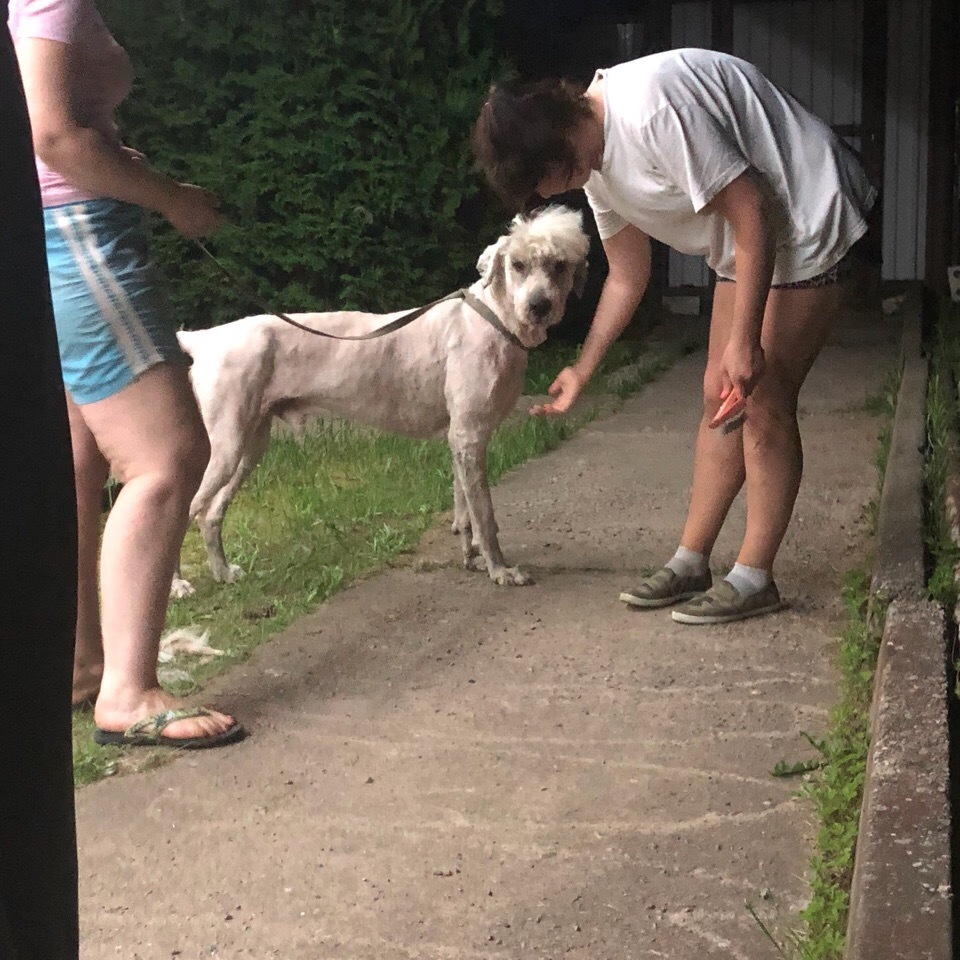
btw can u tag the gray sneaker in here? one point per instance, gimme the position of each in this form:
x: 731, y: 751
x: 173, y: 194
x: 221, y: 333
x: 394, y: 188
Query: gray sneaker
x: 725, y: 604
x: 664, y: 588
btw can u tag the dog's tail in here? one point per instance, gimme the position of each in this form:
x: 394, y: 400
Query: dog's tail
x: 185, y: 338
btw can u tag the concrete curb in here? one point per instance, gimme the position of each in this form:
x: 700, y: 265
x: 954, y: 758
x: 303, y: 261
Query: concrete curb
x: 900, y: 903
x: 901, y: 898
x: 898, y: 569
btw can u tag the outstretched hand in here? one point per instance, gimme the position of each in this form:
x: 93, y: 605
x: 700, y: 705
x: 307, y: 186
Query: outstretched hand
x: 565, y: 390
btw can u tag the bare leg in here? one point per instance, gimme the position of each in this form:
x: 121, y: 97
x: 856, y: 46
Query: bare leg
x: 91, y: 472
x: 767, y: 453
x: 718, y: 466
x: 152, y: 436
x: 795, y: 327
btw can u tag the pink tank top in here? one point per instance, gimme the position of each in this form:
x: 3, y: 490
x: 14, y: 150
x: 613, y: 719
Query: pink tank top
x: 104, y: 72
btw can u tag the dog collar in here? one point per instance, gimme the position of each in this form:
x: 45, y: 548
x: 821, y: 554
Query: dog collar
x: 478, y: 306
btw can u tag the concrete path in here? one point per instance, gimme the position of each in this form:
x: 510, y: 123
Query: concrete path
x: 443, y: 769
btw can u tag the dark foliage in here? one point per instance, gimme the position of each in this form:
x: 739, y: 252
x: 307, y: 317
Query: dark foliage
x: 335, y: 133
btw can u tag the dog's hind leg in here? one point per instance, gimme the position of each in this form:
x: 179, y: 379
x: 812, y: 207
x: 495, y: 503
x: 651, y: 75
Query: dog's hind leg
x: 180, y: 588
x: 225, y: 459
x: 210, y: 515
x: 217, y: 475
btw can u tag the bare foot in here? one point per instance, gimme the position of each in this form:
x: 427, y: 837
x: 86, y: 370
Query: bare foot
x: 116, y: 714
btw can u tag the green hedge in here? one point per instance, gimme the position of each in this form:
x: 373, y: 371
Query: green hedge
x: 336, y: 134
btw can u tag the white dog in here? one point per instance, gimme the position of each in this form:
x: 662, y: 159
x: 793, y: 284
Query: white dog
x: 450, y: 371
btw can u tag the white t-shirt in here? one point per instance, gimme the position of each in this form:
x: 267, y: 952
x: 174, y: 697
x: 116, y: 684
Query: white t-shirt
x: 683, y: 124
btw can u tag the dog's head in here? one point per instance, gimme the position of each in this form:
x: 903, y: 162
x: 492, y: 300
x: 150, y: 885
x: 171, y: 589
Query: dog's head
x: 532, y: 269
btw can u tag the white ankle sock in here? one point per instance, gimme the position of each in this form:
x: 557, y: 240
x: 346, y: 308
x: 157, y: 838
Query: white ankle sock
x: 748, y: 580
x: 688, y: 563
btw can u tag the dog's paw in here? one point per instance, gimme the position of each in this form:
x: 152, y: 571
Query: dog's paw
x: 475, y: 562
x: 231, y: 573
x: 510, y: 577
x: 181, y: 588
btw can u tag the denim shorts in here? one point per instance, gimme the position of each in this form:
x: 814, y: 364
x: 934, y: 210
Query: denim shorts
x: 113, y: 316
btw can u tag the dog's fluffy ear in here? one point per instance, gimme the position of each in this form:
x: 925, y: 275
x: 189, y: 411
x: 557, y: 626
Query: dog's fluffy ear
x: 491, y: 261
x: 580, y: 278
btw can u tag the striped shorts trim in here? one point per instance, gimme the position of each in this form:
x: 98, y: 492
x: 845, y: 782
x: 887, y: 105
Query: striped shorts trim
x: 112, y: 313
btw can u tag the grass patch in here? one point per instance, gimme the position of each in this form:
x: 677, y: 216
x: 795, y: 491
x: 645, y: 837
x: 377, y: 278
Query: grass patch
x: 342, y: 503
x: 544, y: 365
x: 943, y: 418
x: 836, y: 791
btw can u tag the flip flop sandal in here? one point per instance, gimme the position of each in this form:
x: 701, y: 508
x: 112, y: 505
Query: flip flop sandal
x: 149, y: 732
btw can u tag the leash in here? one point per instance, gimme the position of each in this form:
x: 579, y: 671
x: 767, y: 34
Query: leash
x: 477, y: 305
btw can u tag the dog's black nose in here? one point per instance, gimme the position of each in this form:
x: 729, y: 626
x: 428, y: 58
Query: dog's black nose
x: 540, y: 305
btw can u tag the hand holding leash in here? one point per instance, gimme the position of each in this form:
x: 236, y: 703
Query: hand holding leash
x: 193, y: 211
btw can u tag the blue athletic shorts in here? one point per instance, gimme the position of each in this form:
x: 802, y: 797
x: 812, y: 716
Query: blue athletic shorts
x: 114, y: 320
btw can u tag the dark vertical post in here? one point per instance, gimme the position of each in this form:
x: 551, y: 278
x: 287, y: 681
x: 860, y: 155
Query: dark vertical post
x: 658, y: 32
x: 873, y: 110
x: 721, y: 39
x: 721, y: 25
x: 38, y: 550
x: 942, y: 146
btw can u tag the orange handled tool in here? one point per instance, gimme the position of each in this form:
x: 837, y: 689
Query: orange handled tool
x: 732, y: 412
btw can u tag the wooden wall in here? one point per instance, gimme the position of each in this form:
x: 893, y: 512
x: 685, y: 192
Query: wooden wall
x: 814, y: 49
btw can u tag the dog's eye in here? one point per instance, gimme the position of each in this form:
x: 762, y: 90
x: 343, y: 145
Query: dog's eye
x: 557, y: 267
x: 520, y: 266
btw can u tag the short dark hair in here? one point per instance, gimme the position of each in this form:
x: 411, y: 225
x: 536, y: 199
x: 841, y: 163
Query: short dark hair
x: 522, y: 129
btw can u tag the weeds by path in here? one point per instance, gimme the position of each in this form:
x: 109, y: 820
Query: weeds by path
x: 836, y: 789
x: 943, y: 425
x: 837, y: 792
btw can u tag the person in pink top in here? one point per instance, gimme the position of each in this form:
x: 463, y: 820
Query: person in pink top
x: 131, y: 407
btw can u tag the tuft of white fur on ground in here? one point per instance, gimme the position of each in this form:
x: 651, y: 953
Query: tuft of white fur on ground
x: 186, y: 640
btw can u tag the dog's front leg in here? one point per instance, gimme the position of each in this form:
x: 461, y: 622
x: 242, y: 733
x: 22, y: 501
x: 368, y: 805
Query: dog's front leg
x: 472, y: 560
x: 470, y: 469
x: 461, y: 515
